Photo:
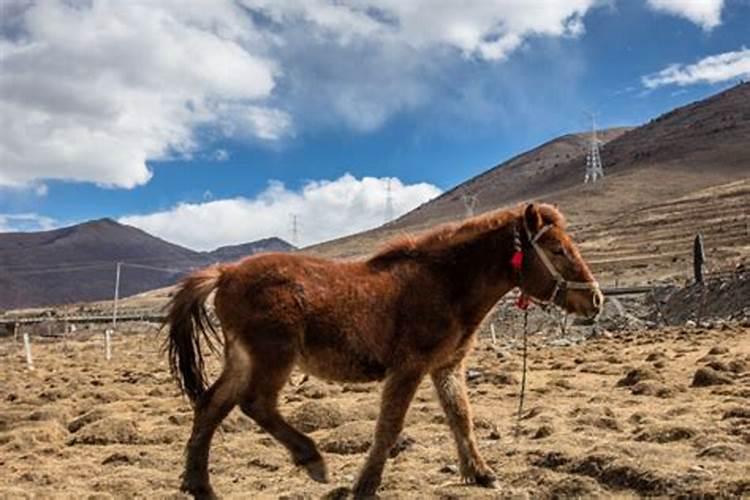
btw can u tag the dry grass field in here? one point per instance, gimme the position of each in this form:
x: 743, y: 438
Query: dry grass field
x: 619, y: 415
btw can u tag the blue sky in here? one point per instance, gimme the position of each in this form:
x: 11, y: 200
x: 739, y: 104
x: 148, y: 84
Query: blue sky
x: 210, y: 122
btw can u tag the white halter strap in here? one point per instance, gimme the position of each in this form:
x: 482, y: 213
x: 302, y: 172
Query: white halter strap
x: 560, y: 282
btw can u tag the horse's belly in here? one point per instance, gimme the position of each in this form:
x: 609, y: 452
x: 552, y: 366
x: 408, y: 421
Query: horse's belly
x: 331, y: 364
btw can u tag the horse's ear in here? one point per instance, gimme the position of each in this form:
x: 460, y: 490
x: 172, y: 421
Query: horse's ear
x: 533, y: 218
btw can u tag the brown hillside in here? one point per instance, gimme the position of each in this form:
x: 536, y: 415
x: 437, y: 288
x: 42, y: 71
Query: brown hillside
x: 508, y: 181
x: 690, y: 166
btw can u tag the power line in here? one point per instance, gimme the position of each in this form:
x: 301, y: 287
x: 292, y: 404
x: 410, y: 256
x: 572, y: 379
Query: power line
x: 63, y: 266
x: 52, y: 270
x: 85, y: 267
x: 153, y: 268
x: 118, y: 272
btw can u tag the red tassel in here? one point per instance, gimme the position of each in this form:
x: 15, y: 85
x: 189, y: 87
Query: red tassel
x: 523, y: 302
x: 516, y: 262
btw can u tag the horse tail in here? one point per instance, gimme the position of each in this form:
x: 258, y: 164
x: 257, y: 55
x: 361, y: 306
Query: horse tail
x: 188, y: 321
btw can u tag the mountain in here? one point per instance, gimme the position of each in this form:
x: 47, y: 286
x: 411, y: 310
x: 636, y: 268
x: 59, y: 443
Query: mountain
x: 235, y: 252
x: 511, y: 180
x: 684, y: 172
x: 692, y: 147
x: 78, y: 263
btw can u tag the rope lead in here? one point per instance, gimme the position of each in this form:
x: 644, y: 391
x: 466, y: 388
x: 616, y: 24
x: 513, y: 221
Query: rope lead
x: 523, y: 376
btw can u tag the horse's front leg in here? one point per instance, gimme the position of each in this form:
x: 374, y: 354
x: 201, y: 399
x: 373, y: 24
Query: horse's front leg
x: 450, y: 384
x: 398, y: 391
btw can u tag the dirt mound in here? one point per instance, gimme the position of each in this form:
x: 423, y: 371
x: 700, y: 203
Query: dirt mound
x: 349, y: 439
x: 315, y: 415
x: 44, y: 434
x: 87, y: 418
x: 742, y: 412
x: 575, y: 487
x: 724, y: 451
x: 652, y: 389
x: 665, y: 434
x: 610, y: 471
x: 637, y: 375
x: 108, y: 430
x: 543, y: 431
x: 706, y: 376
x: 599, y: 417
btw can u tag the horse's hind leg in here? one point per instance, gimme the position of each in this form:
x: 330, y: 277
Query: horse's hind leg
x: 260, y: 402
x: 451, y: 389
x: 210, y: 410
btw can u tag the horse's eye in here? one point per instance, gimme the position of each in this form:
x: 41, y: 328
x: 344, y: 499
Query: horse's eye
x: 558, y: 251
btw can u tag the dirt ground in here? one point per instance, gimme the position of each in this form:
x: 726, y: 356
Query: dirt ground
x: 658, y: 411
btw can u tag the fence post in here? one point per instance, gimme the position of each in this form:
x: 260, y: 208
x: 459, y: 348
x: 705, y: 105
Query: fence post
x: 108, y: 343
x: 27, y: 348
x: 699, y: 258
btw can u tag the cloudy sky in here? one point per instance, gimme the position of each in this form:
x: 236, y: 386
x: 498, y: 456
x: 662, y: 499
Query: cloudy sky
x: 210, y: 122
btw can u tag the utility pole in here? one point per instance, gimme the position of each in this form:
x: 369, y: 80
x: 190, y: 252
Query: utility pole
x: 389, y: 202
x: 594, y: 169
x: 470, y: 203
x: 117, y: 295
x: 116, y: 301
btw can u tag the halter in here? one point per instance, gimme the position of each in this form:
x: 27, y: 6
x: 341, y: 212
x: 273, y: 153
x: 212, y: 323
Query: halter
x: 561, y: 284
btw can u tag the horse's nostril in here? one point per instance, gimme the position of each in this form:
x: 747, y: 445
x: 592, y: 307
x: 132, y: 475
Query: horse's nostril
x: 598, y: 300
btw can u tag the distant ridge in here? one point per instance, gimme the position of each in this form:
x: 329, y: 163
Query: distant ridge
x: 235, y: 252
x: 77, y: 263
x: 509, y: 180
x: 691, y: 148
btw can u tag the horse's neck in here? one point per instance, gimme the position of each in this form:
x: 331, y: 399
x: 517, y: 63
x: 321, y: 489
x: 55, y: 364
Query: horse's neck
x: 480, y: 271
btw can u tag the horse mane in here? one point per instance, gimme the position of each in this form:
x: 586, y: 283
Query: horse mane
x: 453, y: 234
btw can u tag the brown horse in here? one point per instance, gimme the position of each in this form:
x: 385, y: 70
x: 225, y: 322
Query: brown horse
x: 408, y: 311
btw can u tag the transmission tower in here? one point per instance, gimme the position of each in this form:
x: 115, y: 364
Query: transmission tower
x: 594, y: 169
x: 470, y: 203
x: 294, y: 219
x: 389, y: 212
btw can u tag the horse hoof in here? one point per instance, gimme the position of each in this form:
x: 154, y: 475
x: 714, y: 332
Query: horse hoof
x: 365, y: 490
x: 317, y: 470
x: 486, y: 480
x: 340, y: 493
x: 199, y: 492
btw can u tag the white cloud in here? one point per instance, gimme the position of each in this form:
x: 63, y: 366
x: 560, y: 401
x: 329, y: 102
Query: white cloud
x: 486, y: 29
x: 90, y: 93
x: 712, y: 69
x: 359, y: 62
x: 326, y: 209
x: 705, y: 13
x: 92, y: 90
x: 25, y: 222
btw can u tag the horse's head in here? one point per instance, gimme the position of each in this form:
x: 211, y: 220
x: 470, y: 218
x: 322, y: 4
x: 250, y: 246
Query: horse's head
x: 553, y: 270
